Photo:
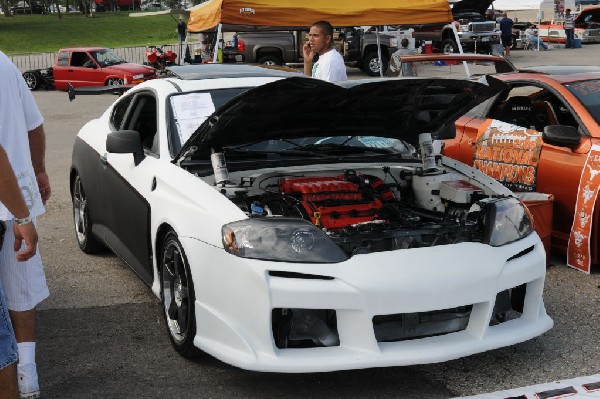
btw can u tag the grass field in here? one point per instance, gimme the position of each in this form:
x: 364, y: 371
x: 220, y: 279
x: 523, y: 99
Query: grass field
x: 47, y: 33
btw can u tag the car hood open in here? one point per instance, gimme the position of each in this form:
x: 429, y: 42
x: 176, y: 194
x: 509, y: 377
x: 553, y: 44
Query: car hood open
x: 479, y: 6
x: 303, y: 107
x: 591, y: 14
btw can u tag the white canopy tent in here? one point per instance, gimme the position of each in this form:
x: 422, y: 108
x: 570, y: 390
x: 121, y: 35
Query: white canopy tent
x: 532, y: 10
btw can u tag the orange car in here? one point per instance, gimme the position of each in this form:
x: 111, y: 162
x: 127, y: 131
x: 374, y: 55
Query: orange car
x: 554, y: 112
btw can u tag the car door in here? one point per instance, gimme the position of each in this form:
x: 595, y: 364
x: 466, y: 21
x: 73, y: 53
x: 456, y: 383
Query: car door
x: 128, y: 186
x: 558, y: 169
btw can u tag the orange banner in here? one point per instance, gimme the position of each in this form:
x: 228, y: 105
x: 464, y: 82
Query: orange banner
x: 578, y: 254
x: 509, y: 154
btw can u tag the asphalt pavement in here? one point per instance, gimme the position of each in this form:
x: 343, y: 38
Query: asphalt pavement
x: 101, y: 333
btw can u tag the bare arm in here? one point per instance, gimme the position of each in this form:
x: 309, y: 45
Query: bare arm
x: 37, y: 147
x: 11, y: 197
x: 308, y: 55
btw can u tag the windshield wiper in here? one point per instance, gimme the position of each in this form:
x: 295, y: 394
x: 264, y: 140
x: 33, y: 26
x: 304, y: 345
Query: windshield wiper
x: 343, y: 149
x: 288, y: 152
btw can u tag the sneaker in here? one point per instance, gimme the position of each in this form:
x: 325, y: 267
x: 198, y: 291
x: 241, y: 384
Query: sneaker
x: 29, y: 387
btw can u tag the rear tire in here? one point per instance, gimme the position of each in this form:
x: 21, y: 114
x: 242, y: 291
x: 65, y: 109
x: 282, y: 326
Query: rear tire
x: 270, y: 60
x: 449, y: 46
x: 87, y: 242
x: 370, y: 63
x: 33, y: 79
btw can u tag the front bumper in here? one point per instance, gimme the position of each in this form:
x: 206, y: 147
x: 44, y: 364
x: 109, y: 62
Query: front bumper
x: 235, y: 298
x: 479, y: 38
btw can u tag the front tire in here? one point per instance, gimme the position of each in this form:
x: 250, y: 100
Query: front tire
x: 88, y: 243
x: 371, y: 65
x: 114, y: 82
x: 33, y: 79
x: 178, y: 297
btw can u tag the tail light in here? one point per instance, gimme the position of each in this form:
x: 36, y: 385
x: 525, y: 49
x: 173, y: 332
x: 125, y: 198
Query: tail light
x: 412, y: 34
x: 241, y: 46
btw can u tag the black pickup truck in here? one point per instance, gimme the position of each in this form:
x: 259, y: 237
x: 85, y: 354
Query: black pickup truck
x: 358, y: 48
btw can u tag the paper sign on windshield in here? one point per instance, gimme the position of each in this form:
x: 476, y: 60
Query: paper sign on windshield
x: 509, y: 154
x: 190, y: 111
x: 578, y: 254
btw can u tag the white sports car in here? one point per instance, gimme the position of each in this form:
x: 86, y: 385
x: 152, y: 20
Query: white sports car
x: 295, y: 225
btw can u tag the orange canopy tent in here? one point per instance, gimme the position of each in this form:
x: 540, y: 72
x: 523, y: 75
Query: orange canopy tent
x: 240, y: 15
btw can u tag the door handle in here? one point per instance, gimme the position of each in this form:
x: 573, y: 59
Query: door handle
x: 69, y: 70
x: 103, y: 159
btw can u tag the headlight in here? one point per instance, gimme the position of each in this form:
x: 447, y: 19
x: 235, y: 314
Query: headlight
x: 464, y: 28
x: 280, y: 239
x: 140, y: 76
x: 507, y: 220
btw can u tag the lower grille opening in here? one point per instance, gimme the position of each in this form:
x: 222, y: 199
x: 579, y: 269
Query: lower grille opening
x: 407, y: 326
x: 304, y: 328
x: 509, y: 305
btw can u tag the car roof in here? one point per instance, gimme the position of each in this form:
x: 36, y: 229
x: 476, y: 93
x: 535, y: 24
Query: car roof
x: 82, y: 48
x: 220, y: 71
x: 564, y: 73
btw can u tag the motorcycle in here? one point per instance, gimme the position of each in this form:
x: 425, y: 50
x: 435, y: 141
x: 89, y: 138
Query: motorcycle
x: 160, y: 59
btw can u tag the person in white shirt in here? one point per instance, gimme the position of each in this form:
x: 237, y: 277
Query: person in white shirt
x: 569, y: 25
x: 532, y: 35
x: 24, y: 283
x: 330, y: 65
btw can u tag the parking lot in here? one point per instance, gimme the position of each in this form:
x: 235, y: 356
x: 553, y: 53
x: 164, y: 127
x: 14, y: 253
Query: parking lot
x: 101, y: 333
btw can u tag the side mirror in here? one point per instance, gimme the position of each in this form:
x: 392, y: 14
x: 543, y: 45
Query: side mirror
x: 126, y: 142
x: 561, y: 135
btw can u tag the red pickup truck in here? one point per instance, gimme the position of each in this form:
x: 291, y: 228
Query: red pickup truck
x: 88, y: 66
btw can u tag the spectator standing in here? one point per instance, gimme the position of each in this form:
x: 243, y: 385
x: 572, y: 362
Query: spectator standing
x: 397, y: 68
x: 569, y: 25
x: 23, y: 282
x: 506, y: 33
x: 330, y: 65
x: 24, y: 230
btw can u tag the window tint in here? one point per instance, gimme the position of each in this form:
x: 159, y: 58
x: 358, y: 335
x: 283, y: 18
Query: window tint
x: 79, y: 59
x: 63, y: 58
x: 118, y: 114
x: 588, y: 92
x: 143, y: 119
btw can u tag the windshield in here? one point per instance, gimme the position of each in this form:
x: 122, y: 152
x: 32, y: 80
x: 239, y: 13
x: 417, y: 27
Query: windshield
x: 588, y: 93
x: 323, y: 146
x: 107, y: 57
x: 189, y: 110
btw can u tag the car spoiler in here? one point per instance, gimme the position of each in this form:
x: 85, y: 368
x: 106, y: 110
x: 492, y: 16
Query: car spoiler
x: 92, y: 90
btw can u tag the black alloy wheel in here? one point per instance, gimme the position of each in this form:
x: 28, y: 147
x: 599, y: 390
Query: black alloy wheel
x: 33, y: 79
x: 88, y: 243
x: 177, y: 292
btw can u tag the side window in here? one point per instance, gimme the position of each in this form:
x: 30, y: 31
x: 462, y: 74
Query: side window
x: 532, y: 107
x: 119, y: 112
x: 79, y: 59
x: 63, y: 58
x: 143, y: 119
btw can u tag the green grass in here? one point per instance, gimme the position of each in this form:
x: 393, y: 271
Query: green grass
x: 46, y: 33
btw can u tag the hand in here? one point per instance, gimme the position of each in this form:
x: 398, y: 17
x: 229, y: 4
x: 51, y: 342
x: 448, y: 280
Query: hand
x: 308, y: 53
x: 44, y: 186
x: 27, y: 233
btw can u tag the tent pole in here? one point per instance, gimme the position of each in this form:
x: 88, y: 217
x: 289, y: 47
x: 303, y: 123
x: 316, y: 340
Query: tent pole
x: 460, y: 49
x: 379, y: 52
x: 217, y: 44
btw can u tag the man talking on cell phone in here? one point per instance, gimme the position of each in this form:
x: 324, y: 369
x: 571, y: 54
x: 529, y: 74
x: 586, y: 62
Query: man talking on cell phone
x: 330, y: 65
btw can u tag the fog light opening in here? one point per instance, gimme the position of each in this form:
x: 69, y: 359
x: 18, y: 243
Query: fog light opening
x: 304, y: 328
x: 509, y: 305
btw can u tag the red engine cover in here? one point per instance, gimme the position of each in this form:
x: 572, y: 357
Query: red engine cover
x: 317, y: 193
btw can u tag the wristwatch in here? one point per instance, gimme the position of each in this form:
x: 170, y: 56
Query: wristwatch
x: 25, y: 220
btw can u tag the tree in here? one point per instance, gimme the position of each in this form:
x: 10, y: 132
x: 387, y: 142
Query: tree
x: 5, y: 8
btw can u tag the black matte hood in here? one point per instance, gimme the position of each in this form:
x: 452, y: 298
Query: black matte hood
x: 303, y: 107
x: 479, y: 6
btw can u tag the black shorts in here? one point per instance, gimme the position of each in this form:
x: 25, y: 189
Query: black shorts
x: 507, y: 41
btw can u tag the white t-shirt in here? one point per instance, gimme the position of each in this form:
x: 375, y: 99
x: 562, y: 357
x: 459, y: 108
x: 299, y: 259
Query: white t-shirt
x: 18, y: 115
x: 330, y: 67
